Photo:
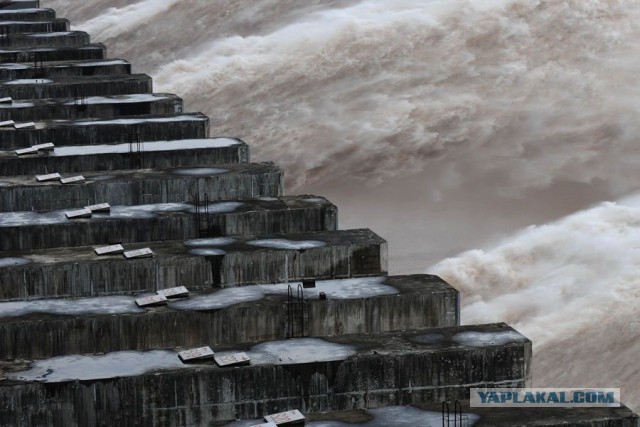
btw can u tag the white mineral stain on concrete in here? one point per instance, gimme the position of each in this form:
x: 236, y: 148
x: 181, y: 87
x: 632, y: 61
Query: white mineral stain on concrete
x: 71, y: 307
x: 12, y: 262
x: 150, y: 146
x: 111, y: 365
x: 28, y: 81
x: 485, y: 339
x: 365, y: 287
x: 216, y: 241
x: 298, y: 350
x: 199, y: 171
x: 287, y: 244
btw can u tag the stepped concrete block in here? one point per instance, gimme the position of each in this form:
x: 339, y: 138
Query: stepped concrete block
x: 46, y: 39
x: 94, y: 106
x: 19, y: 4
x: 103, y: 131
x: 101, y: 67
x: 367, y: 305
x: 150, y: 187
x: 309, y: 374
x: 30, y: 14
x: 431, y: 415
x: 111, y: 157
x: 44, y: 54
x: 45, y: 25
x: 80, y: 88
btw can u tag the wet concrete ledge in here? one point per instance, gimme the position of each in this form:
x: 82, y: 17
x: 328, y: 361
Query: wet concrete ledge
x: 44, y: 25
x: 430, y: 415
x: 29, y: 14
x: 214, y: 262
x: 103, y: 131
x: 76, y: 87
x: 45, y: 39
x: 136, y: 187
x: 256, y: 313
x: 12, y: 71
x: 90, y: 51
x: 313, y: 375
x: 93, y: 106
x: 112, y: 157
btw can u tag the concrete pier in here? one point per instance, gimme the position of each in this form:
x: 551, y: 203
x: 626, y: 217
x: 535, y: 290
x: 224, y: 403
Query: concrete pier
x: 257, y: 313
x: 29, y: 14
x: 142, y: 187
x: 112, y: 157
x: 12, y: 71
x: 37, y: 54
x: 103, y: 131
x: 46, y: 39
x: 93, y: 106
x: 346, y: 372
x: 45, y: 25
x: 76, y: 87
x: 18, y: 4
x: 230, y: 262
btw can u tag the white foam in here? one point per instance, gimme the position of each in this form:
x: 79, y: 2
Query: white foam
x: 120, y: 99
x: 199, y: 171
x: 52, y: 34
x: 111, y: 365
x: 96, y: 63
x: 180, y: 118
x: 28, y: 81
x: 287, y: 244
x: 13, y: 66
x: 146, y: 211
x: 297, y: 350
x: 207, y: 252
x: 17, y: 219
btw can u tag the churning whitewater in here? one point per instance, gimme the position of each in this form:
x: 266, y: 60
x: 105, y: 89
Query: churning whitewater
x: 493, y: 142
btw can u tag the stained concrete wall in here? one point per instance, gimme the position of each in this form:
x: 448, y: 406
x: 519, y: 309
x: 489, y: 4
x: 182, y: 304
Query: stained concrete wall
x: 136, y: 128
x: 11, y: 164
x: 421, y: 303
x: 27, y: 15
x: 61, y: 69
x: 91, y: 51
x: 78, y: 87
x: 139, y: 188
x: 387, y: 370
x: 19, y: 4
x: 69, y: 108
x: 51, y: 25
x: 62, y: 39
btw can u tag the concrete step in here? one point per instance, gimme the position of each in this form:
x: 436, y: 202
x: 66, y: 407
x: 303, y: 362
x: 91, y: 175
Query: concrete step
x: 31, y: 14
x: 111, y: 157
x: 46, y: 39
x: 105, y: 131
x: 19, y: 4
x: 99, y: 67
x: 214, y: 262
x: 137, y: 187
x: 8, y: 26
x: 93, y: 106
x: 310, y: 374
x: 44, y: 54
x: 430, y: 415
x: 76, y: 87
x: 366, y: 305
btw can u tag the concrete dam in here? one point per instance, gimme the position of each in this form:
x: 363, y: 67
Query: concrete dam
x: 151, y: 274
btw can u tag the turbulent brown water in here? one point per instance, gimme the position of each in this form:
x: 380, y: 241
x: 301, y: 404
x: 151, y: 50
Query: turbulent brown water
x: 451, y: 127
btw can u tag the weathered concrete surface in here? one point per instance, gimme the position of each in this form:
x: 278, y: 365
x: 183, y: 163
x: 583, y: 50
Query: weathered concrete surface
x: 30, y: 14
x: 111, y: 157
x: 19, y: 4
x: 430, y: 415
x: 44, y: 25
x: 414, y: 302
x: 91, y: 51
x: 94, y: 106
x: 103, y: 131
x: 47, y: 39
x: 140, y: 187
x: 100, y: 67
x: 383, y: 369
x: 76, y: 87
x: 66, y: 272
